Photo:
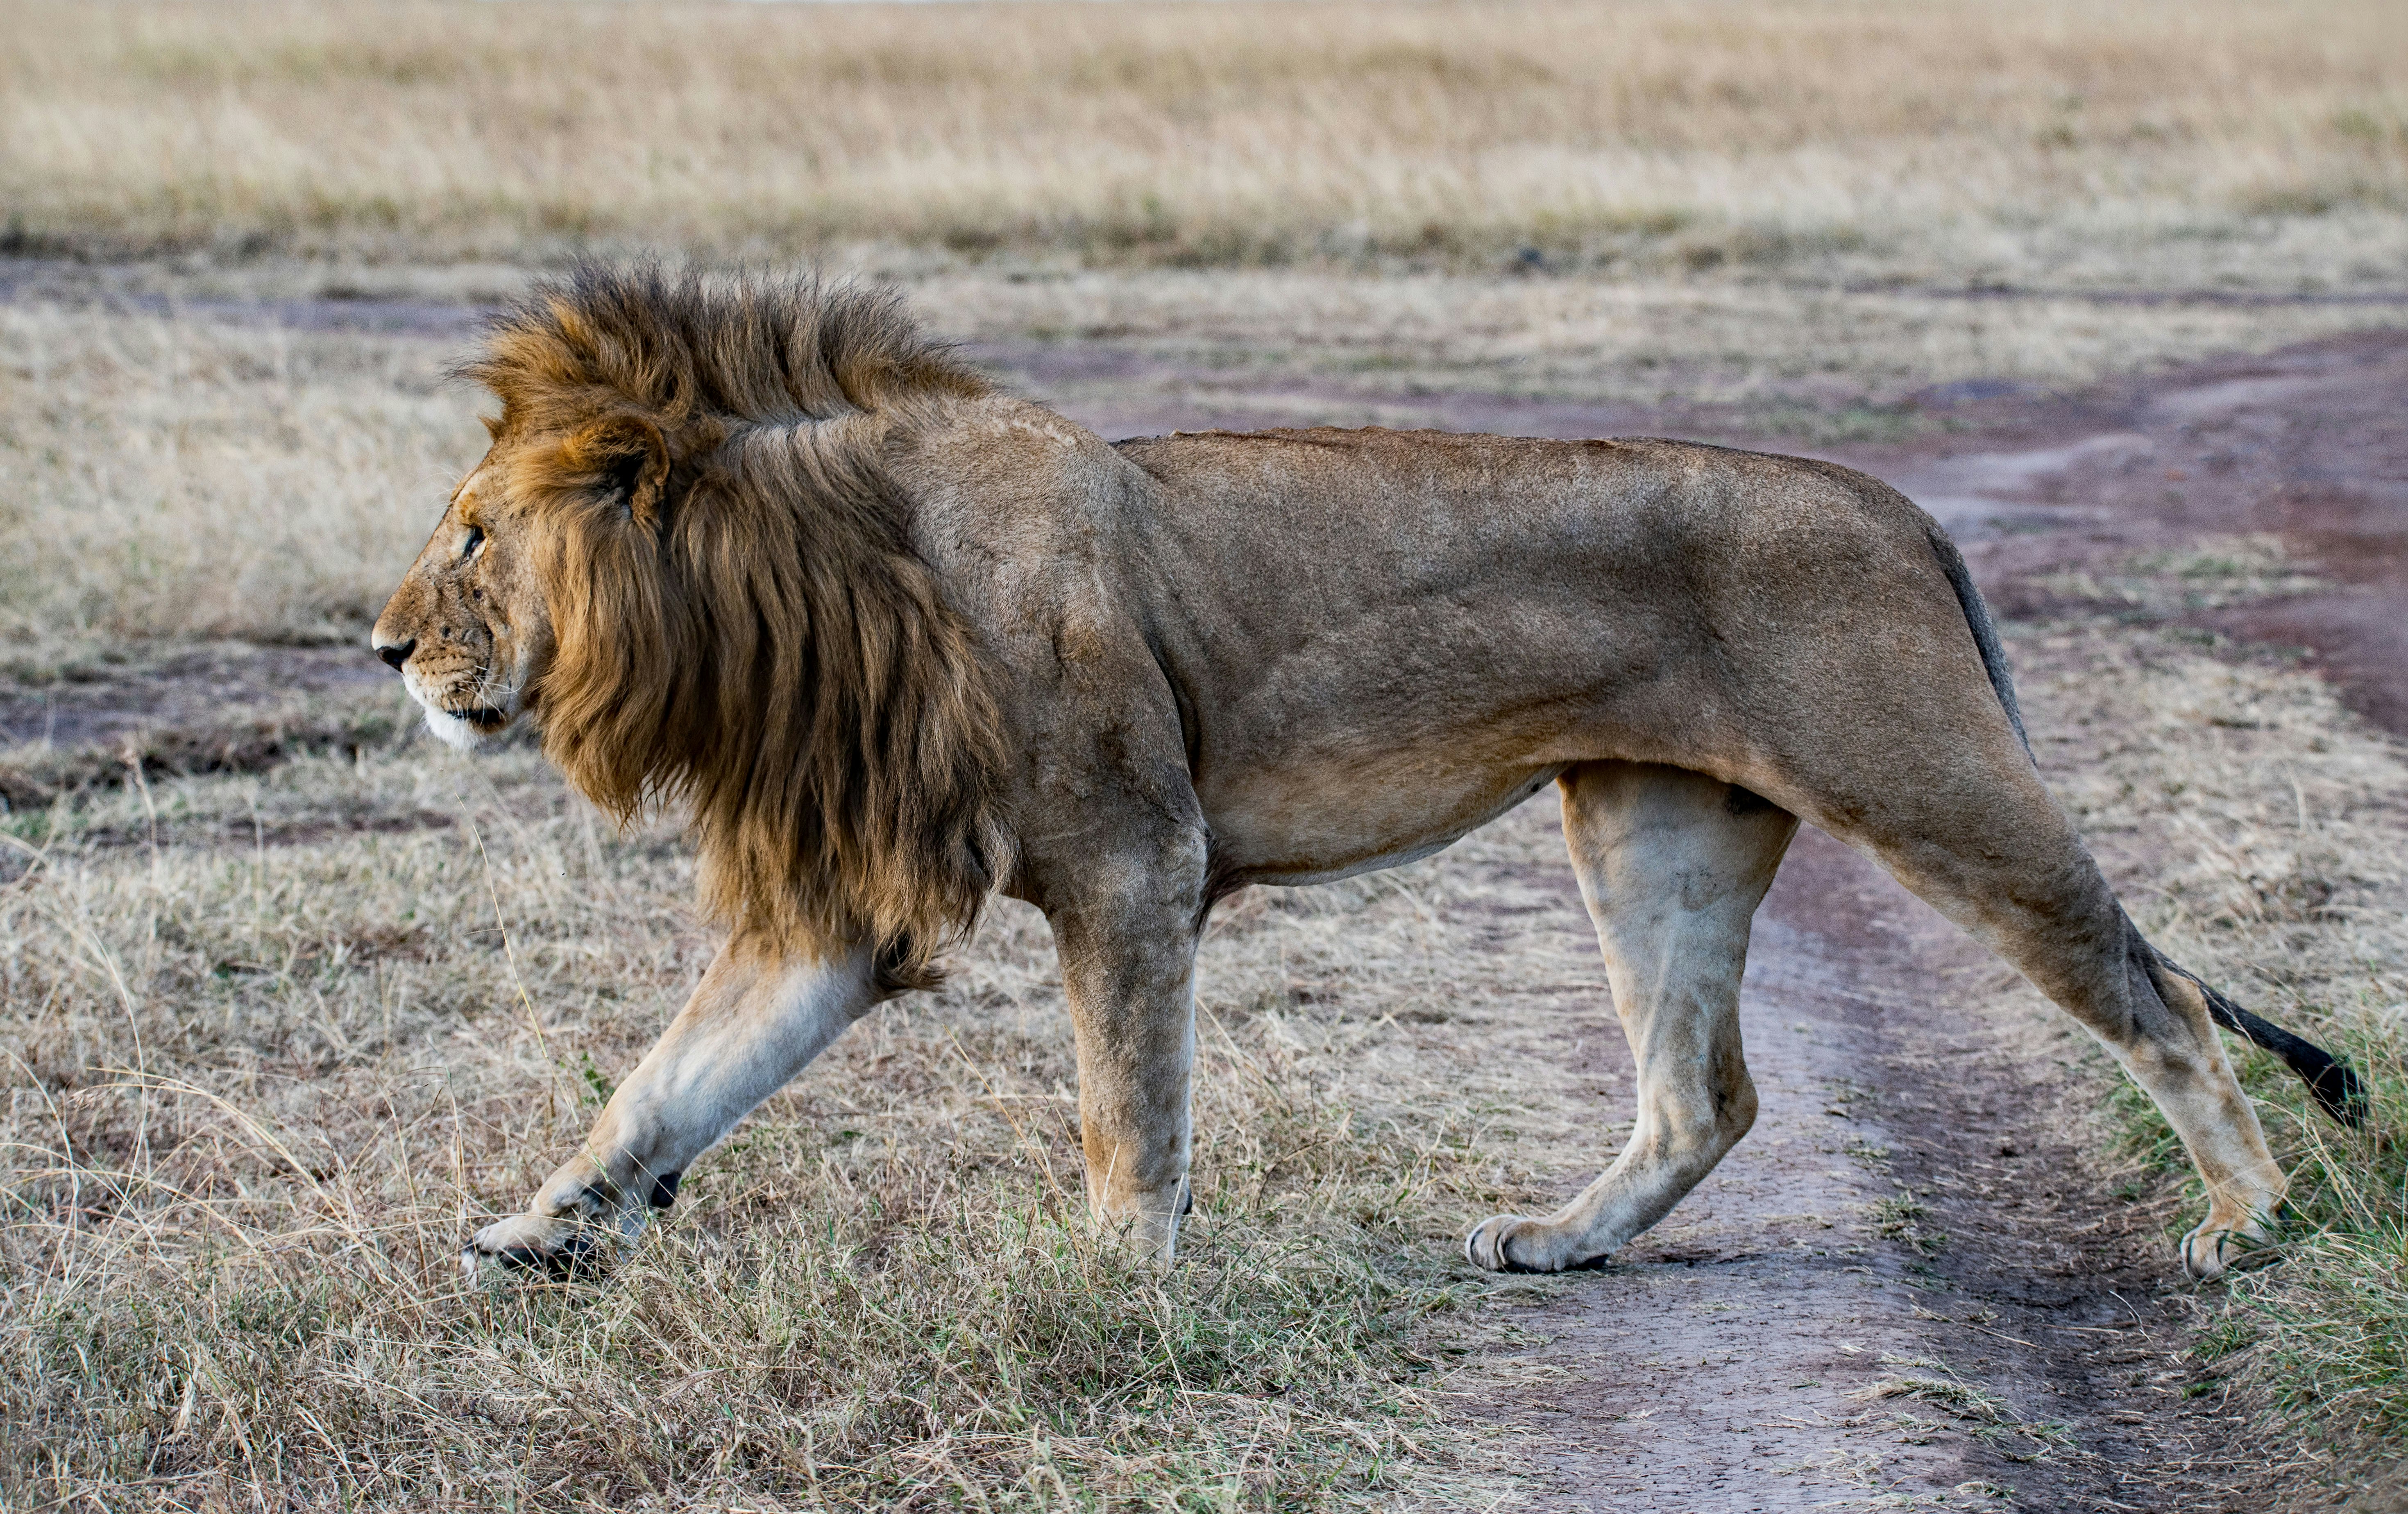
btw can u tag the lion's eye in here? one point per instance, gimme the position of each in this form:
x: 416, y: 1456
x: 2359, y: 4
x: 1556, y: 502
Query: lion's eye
x: 476, y: 539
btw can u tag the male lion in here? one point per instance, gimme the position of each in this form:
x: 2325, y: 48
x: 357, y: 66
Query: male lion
x: 898, y: 639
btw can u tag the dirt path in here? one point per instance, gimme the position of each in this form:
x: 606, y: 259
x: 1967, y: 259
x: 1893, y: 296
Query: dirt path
x: 189, y: 688
x: 2307, y: 446
x: 1906, y: 1288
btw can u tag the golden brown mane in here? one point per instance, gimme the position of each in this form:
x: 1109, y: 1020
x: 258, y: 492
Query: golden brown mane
x: 741, y: 620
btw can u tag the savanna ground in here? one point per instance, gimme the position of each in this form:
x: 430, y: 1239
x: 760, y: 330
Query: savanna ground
x: 290, y: 996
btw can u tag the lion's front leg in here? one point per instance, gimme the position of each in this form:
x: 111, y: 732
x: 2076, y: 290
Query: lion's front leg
x: 1128, y: 944
x: 758, y: 1016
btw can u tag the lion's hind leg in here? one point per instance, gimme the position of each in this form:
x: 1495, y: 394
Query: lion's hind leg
x: 2160, y: 1022
x: 1968, y: 826
x: 1673, y: 865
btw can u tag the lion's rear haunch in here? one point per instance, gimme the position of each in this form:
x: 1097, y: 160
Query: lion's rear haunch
x: 2334, y: 1082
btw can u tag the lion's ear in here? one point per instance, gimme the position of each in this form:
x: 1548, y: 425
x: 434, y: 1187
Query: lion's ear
x: 633, y: 460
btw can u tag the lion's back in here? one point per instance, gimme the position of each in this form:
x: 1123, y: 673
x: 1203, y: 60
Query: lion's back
x: 1403, y: 506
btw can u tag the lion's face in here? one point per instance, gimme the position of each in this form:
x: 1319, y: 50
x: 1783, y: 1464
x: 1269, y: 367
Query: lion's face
x: 468, y: 629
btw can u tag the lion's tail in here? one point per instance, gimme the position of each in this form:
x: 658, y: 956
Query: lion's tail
x: 2331, y: 1079
x: 2335, y: 1084
x: 1986, y: 631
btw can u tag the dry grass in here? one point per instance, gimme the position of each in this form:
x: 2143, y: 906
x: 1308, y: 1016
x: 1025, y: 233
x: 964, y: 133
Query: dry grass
x: 175, y: 478
x: 2259, y: 144
x: 258, y: 1090
x: 1990, y: 1417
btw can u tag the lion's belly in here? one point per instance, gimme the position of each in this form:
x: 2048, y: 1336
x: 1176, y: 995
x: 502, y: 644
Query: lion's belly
x: 1290, y: 827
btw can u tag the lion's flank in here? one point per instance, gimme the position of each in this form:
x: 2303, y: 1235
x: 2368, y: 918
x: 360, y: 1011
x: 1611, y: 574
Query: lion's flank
x: 740, y: 621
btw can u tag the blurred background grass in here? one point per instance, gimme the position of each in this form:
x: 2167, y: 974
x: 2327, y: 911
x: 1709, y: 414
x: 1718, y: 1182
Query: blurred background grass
x: 2221, y: 142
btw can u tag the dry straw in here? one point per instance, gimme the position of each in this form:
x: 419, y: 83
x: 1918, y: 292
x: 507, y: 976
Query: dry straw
x: 2256, y: 141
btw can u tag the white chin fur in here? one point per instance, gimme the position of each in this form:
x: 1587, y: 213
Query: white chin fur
x: 454, y: 732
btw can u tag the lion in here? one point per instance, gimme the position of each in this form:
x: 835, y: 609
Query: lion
x: 899, y: 639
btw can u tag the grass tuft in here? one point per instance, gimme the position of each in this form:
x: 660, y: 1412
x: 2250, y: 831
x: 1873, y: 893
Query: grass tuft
x: 949, y: 1343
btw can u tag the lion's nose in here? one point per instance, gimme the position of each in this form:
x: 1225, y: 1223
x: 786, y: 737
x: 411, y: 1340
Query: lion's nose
x: 395, y: 652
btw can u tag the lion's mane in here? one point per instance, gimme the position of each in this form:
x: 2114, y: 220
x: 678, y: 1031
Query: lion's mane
x: 747, y: 629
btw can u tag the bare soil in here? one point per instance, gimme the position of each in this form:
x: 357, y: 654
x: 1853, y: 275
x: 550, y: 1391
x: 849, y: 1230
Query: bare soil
x: 2308, y: 445
x: 106, y: 702
x: 1913, y: 1284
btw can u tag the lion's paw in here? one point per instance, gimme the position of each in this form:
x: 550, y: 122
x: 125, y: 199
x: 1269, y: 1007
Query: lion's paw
x: 1489, y: 1246
x: 555, y: 1246
x: 2218, y: 1247
x: 1512, y: 1243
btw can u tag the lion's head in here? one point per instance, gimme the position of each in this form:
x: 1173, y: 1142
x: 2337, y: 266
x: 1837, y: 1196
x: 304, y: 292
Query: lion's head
x: 683, y: 559
x: 470, y: 630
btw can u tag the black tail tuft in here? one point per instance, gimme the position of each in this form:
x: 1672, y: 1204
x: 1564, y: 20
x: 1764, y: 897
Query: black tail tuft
x: 2331, y: 1079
